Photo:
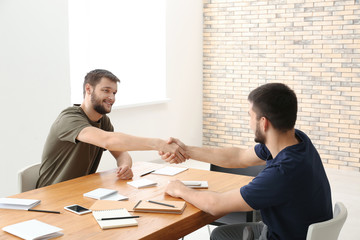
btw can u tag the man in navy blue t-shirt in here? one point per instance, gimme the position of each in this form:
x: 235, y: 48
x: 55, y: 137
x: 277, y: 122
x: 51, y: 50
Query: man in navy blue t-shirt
x: 292, y: 191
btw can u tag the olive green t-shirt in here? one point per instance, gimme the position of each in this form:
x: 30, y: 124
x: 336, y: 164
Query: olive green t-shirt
x: 64, y: 157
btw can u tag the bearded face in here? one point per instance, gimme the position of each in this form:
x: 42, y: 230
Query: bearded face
x: 99, y: 104
x: 259, y: 136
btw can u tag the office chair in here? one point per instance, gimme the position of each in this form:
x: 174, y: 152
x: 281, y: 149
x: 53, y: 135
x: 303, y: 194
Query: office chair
x: 330, y: 229
x: 238, y: 217
x: 27, y: 177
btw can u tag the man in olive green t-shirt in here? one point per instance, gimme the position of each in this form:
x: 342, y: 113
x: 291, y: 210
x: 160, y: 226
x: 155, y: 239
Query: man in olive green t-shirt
x: 81, y: 133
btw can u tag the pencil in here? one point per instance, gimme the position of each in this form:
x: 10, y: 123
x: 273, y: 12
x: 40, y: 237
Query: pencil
x: 164, y: 204
x: 144, y: 174
x: 45, y: 211
x: 113, y: 218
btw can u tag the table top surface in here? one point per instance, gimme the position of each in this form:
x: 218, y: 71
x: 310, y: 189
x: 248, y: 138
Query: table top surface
x: 150, y: 225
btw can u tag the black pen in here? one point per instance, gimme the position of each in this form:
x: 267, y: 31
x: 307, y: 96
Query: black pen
x: 113, y: 218
x: 164, y: 204
x: 144, y: 174
x: 46, y: 211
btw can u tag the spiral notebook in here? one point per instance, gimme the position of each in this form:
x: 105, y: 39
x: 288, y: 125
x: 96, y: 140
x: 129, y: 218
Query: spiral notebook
x: 114, y: 223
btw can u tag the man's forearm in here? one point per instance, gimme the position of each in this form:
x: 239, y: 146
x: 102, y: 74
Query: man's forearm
x: 225, y: 157
x: 124, y: 158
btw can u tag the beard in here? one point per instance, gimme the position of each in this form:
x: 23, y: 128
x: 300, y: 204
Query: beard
x: 259, y: 137
x: 97, y: 104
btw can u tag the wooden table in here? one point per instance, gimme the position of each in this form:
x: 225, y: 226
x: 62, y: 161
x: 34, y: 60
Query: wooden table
x: 150, y: 225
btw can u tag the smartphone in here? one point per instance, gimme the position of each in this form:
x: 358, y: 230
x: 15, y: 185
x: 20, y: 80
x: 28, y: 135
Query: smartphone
x: 77, y: 209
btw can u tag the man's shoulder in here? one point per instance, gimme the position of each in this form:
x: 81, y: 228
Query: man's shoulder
x: 72, y: 111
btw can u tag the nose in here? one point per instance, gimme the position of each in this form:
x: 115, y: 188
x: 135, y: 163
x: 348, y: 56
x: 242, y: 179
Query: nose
x: 111, y: 97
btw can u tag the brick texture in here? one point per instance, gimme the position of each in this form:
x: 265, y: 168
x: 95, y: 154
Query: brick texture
x: 311, y: 45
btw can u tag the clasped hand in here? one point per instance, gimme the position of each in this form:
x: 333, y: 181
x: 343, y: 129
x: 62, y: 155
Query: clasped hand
x: 176, y: 154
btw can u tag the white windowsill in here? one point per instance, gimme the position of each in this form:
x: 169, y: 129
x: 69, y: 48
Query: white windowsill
x: 141, y: 104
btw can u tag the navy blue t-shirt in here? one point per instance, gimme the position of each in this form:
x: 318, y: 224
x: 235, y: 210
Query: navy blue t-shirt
x: 292, y: 191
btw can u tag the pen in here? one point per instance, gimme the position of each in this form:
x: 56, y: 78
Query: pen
x: 164, y: 204
x: 113, y: 218
x: 144, y: 174
x: 46, y: 211
x: 137, y: 204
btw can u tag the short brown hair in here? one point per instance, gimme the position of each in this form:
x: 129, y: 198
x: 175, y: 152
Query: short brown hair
x: 277, y: 102
x: 94, y: 77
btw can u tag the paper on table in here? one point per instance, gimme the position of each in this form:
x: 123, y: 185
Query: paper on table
x: 109, y: 205
x: 196, y: 184
x: 115, y: 223
x: 170, y: 171
x: 146, y: 206
x: 33, y: 229
x: 105, y: 194
x: 18, y: 203
x: 141, y: 183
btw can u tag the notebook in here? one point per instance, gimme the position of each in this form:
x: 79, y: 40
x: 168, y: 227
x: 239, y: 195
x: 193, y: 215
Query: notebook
x: 196, y: 184
x: 33, y: 229
x: 18, y: 203
x: 142, y: 183
x: 116, y: 223
x: 146, y: 206
x: 105, y: 194
x: 108, y: 205
x: 169, y: 171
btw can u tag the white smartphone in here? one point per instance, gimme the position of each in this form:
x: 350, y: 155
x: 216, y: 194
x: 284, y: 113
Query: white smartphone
x: 77, y: 209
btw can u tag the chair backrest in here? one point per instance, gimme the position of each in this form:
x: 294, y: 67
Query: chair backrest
x: 27, y: 177
x: 330, y: 229
x: 249, y: 171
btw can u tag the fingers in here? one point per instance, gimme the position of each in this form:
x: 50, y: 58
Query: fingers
x: 124, y: 173
x: 174, y: 152
x: 174, y: 188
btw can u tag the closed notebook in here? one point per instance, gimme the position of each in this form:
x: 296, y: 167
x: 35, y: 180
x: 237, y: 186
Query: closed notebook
x: 105, y: 194
x: 108, y: 205
x: 142, y: 183
x: 33, y: 229
x: 114, y: 223
x: 18, y: 203
x: 196, y: 184
x: 170, y: 171
x: 177, y: 207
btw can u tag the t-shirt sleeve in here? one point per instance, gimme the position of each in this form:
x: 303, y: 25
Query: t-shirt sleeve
x: 69, y: 125
x: 264, y: 190
x: 262, y: 152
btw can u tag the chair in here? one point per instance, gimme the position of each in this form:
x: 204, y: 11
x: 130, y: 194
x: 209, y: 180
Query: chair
x: 27, y: 177
x: 330, y: 229
x: 238, y: 217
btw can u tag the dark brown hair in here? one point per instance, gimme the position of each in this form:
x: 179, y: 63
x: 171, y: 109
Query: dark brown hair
x: 277, y: 102
x: 94, y: 77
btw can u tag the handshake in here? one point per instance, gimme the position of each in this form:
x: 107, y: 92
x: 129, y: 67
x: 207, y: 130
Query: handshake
x: 174, y: 151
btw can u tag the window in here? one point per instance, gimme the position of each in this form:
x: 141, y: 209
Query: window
x: 124, y: 37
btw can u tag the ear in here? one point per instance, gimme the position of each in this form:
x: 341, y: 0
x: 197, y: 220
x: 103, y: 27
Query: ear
x: 88, y: 88
x: 266, y: 123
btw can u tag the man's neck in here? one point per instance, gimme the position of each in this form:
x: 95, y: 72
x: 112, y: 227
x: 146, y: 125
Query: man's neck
x: 90, y: 112
x: 277, y: 141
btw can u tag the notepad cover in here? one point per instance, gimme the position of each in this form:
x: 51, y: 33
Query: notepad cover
x: 33, y: 229
x: 145, y: 206
x: 105, y: 194
x: 170, y: 171
x: 142, y: 183
x: 117, y: 223
x: 18, y: 203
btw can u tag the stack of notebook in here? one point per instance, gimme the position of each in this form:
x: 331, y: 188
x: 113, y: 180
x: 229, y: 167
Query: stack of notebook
x: 162, y: 206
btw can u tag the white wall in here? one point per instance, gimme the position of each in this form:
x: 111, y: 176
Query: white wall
x: 34, y: 75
